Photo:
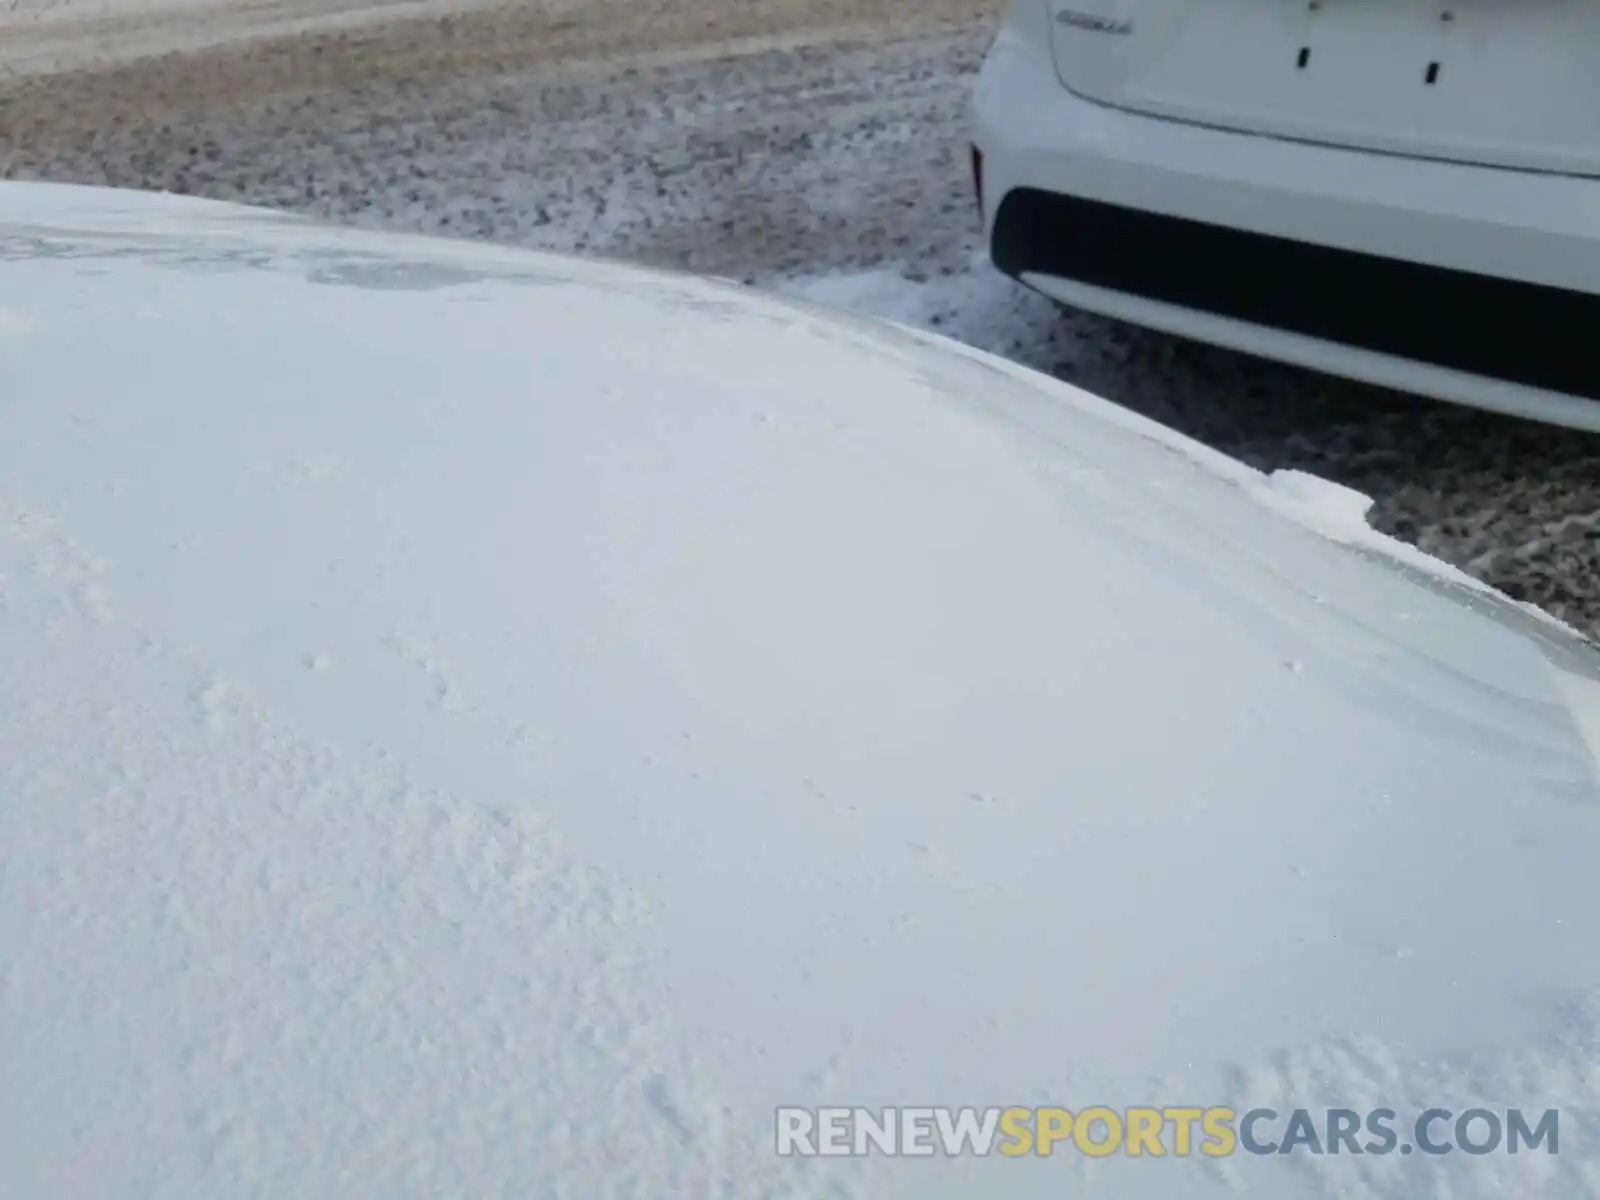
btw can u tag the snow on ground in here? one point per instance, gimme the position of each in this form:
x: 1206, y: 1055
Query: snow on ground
x: 413, y: 39
x: 44, y: 36
x: 777, y: 165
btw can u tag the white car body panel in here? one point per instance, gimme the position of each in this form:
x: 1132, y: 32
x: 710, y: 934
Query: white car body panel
x: 1523, y: 226
x: 1512, y: 84
x: 477, y: 722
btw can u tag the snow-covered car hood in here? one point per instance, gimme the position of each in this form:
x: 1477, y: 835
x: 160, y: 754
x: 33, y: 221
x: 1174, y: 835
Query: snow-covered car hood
x: 475, y: 722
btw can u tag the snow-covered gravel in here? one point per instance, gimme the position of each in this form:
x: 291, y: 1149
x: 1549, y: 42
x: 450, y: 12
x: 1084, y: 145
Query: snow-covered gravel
x: 741, y: 141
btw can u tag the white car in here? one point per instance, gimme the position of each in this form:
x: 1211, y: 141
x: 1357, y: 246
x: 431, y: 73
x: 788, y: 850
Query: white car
x: 486, y: 724
x: 1402, y: 192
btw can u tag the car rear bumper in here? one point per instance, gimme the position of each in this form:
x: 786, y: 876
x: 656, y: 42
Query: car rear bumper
x: 1473, y: 284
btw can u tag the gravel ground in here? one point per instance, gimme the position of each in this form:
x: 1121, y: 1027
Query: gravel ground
x: 816, y: 147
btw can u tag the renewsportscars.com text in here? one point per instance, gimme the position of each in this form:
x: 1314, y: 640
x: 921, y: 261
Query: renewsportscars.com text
x: 1152, y: 1131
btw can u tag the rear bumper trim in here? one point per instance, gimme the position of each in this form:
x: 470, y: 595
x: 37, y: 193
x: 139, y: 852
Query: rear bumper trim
x: 1531, y: 334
